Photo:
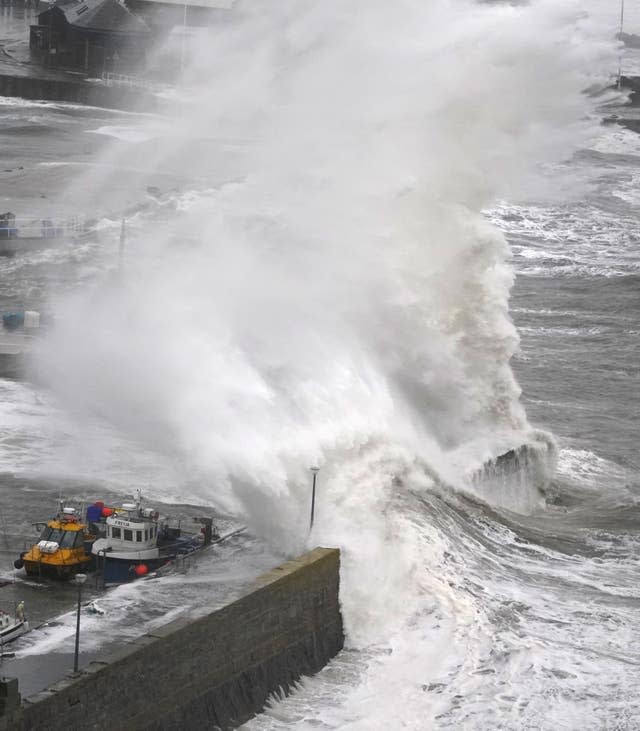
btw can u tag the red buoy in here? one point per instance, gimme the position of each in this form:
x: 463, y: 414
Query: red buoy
x: 106, y: 512
x: 141, y: 569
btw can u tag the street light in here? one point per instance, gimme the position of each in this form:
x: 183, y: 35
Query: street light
x: 315, y: 471
x: 79, y: 580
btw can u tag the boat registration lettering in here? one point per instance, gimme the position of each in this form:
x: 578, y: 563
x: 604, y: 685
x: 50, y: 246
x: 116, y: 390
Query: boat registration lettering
x: 123, y: 523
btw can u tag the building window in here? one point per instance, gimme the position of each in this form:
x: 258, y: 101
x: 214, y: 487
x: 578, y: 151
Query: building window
x: 128, y: 535
x: 115, y: 532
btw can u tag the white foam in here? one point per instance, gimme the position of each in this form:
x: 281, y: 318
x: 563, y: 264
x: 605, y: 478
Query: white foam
x: 119, y: 132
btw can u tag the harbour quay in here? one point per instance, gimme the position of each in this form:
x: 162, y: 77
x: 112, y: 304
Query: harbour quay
x: 213, y: 669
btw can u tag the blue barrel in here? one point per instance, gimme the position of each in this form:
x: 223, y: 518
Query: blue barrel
x: 13, y: 320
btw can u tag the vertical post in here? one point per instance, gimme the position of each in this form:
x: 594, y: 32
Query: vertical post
x: 184, y: 30
x: 315, y: 471
x: 80, y: 579
x: 620, y: 39
x: 121, y: 248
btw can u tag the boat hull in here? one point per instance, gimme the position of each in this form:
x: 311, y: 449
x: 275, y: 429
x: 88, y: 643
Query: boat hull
x: 63, y: 572
x: 13, y: 632
x: 122, y: 570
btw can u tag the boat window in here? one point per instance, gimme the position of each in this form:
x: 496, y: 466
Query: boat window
x: 55, y: 535
x: 45, y: 534
x: 69, y: 538
x: 139, y: 536
x: 128, y: 535
x: 146, y: 534
x: 115, y: 532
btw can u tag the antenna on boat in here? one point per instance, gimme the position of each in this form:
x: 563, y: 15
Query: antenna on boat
x: 621, y: 41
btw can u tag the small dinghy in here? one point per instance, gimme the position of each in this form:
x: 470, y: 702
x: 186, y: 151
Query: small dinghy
x: 10, y: 628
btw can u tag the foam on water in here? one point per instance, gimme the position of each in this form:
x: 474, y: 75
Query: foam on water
x: 127, y: 134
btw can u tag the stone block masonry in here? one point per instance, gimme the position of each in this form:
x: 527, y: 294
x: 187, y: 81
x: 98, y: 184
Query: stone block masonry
x: 214, y: 671
x: 76, y: 91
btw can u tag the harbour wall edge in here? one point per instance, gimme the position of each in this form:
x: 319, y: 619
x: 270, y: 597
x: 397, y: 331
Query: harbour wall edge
x: 76, y: 92
x: 215, y: 670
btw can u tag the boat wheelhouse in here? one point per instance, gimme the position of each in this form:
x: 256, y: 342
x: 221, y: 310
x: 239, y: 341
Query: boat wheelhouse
x: 63, y: 549
x: 137, y: 541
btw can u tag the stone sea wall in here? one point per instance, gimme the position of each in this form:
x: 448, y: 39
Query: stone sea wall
x: 78, y: 92
x: 213, y: 671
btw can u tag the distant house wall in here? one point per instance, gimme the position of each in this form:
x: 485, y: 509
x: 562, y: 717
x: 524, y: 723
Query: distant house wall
x: 55, y: 43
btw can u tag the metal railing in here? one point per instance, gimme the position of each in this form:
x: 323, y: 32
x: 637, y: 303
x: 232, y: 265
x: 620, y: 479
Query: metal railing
x: 46, y: 228
x: 132, y: 82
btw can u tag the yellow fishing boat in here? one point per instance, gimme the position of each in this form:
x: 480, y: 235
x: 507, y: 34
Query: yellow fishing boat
x: 64, y: 548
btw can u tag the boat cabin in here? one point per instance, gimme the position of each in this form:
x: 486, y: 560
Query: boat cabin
x: 130, y: 532
x: 132, y: 528
x: 63, y: 532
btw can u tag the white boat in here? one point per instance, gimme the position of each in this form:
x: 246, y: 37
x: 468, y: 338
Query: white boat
x: 137, y: 541
x: 11, y: 628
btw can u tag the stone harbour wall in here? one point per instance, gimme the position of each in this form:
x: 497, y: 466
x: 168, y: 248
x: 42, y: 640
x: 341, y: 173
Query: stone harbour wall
x: 77, y: 92
x: 214, y: 671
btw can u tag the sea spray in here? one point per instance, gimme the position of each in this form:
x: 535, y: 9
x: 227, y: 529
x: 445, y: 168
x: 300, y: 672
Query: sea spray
x: 329, y: 293
x: 345, y: 287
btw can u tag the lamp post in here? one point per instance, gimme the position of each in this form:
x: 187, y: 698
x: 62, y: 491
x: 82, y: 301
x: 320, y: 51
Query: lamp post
x: 184, y: 30
x: 79, y: 580
x: 315, y: 471
x: 620, y: 39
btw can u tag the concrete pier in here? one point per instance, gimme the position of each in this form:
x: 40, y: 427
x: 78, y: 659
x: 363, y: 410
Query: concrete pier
x: 214, y: 670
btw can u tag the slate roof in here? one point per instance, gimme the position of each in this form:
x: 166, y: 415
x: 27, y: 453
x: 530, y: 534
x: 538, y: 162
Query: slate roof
x: 209, y: 4
x: 108, y: 16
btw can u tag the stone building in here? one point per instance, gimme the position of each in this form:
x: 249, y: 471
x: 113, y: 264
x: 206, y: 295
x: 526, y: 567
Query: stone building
x: 91, y: 36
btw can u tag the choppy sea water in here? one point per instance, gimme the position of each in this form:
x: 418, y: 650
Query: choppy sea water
x: 463, y: 609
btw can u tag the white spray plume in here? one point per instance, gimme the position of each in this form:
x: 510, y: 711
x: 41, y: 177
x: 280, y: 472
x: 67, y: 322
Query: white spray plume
x: 330, y: 286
